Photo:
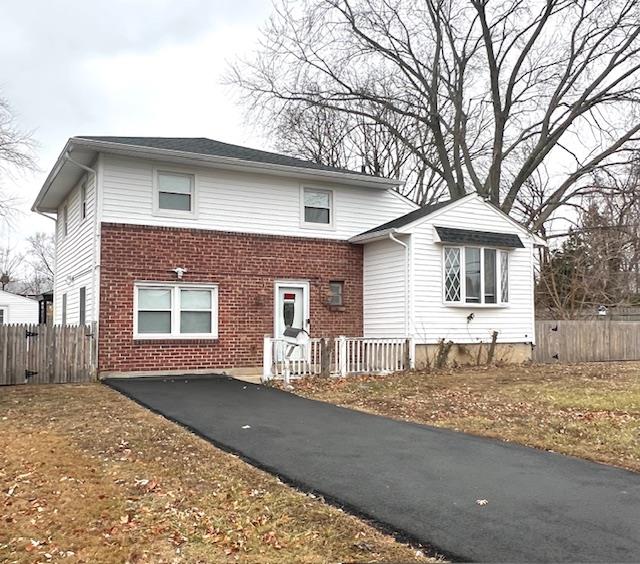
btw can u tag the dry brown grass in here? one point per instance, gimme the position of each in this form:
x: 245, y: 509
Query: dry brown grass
x: 586, y: 410
x: 86, y: 475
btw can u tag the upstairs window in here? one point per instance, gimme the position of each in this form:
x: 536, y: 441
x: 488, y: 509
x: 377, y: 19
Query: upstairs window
x: 175, y: 193
x: 318, y: 207
x: 475, y: 275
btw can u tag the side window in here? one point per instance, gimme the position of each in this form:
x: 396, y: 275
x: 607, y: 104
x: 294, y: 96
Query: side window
x: 175, y: 193
x: 65, y: 220
x: 318, y: 207
x: 82, y: 316
x: 64, y: 309
x: 452, y: 290
x: 336, y: 293
x: 504, y: 276
x: 83, y: 200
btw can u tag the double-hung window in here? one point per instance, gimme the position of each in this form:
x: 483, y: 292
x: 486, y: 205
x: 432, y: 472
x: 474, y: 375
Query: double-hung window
x: 317, y: 207
x: 475, y: 275
x: 173, y: 311
x: 83, y: 200
x: 175, y: 193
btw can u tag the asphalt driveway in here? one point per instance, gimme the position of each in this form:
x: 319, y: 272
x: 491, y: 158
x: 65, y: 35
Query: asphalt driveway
x: 420, y: 481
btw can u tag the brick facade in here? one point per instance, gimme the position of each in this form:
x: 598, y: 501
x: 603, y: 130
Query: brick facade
x: 244, y: 266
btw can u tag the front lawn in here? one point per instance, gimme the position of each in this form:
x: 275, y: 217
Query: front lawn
x: 586, y: 410
x: 87, y: 475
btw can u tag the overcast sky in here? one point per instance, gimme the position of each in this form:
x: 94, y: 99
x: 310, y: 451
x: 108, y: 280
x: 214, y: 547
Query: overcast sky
x: 121, y: 67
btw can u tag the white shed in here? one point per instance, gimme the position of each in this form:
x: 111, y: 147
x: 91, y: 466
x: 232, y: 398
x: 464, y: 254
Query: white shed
x: 17, y: 309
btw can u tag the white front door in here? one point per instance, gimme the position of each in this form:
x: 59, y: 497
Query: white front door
x: 291, y: 309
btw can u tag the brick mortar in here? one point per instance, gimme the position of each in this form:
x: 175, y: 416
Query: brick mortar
x: 245, y: 267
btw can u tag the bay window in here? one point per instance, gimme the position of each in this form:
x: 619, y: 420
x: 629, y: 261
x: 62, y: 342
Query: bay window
x: 475, y: 275
x: 175, y: 311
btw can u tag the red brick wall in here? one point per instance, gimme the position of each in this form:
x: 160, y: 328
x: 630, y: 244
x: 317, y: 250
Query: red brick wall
x: 244, y: 266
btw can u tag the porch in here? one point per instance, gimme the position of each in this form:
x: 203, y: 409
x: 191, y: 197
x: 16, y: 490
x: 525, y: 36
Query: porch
x: 339, y: 356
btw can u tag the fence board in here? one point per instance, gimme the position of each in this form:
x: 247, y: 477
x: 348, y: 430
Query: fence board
x: 39, y: 354
x: 592, y: 340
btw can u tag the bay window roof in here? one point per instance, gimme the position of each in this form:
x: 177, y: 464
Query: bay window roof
x: 455, y: 236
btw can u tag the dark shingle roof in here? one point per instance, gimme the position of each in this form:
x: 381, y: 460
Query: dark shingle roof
x: 204, y: 146
x: 468, y: 237
x: 408, y: 218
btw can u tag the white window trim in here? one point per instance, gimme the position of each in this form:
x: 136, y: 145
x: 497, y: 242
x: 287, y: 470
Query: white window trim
x: 332, y: 208
x: 463, y: 279
x: 175, y: 311
x: 179, y: 214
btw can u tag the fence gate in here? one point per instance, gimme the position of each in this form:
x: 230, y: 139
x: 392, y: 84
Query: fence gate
x: 44, y: 354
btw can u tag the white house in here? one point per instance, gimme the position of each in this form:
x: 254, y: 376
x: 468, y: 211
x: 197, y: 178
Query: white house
x: 17, y: 309
x: 187, y: 251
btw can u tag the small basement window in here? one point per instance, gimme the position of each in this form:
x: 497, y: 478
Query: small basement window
x: 175, y: 193
x: 172, y: 311
x: 318, y: 206
x: 336, y: 293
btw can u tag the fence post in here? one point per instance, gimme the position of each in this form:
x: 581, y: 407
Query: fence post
x: 325, y: 358
x: 409, y: 354
x: 267, y: 359
x: 342, y: 355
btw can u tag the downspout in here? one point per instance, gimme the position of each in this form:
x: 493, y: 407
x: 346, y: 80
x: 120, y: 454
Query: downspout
x: 406, y: 281
x: 94, y: 266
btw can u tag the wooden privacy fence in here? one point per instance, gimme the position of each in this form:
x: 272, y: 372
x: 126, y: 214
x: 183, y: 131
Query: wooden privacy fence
x: 586, y: 341
x: 44, y: 354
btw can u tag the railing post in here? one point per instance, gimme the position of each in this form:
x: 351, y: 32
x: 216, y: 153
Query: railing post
x: 342, y: 346
x: 325, y: 358
x: 410, y: 355
x: 267, y: 359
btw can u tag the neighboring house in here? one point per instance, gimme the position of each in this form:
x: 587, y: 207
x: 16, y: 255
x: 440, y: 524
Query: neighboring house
x: 17, y: 309
x: 188, y: 251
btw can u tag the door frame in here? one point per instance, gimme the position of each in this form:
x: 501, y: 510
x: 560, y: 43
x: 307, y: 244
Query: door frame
x: 304, y: 285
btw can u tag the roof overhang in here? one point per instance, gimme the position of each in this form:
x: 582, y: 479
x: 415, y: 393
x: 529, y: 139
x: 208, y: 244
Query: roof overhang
x: 66, y: 174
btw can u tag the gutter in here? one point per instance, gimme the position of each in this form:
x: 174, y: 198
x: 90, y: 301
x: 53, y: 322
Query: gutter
x: 346, y: 177
x: 392, y: 237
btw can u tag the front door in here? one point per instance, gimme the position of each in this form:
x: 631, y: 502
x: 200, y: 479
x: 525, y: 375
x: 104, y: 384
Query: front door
x: 291, y: 309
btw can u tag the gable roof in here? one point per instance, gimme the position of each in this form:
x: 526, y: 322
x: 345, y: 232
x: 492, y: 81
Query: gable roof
x: 425, y: 211
x: 211, y: 147
x: 408, y: 218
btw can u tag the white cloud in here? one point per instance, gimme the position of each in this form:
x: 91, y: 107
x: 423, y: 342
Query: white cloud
x: 121, y: 67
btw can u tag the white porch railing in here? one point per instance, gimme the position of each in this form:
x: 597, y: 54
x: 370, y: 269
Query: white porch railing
x: 343, y: 356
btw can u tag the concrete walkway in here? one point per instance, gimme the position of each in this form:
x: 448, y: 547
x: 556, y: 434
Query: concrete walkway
x: 420, y: 481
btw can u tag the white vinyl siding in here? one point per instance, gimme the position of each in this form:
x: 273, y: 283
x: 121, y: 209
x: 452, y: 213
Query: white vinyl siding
x: 384, y: 289
x: 243, y: 202
x: 17, y: 309
x: 74, y: 254
x: 433, y: 319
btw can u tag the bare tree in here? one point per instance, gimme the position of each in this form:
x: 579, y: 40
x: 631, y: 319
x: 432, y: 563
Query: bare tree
x: 598, y: 263
x: 498, y: 89
x: 40, y: 263
x: 10, y: 266
x: 356, y: 142
x: 16, y: 152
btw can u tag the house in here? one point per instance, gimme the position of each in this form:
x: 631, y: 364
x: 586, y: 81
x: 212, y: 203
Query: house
x: 17, y: 309
x: 188, y: 251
